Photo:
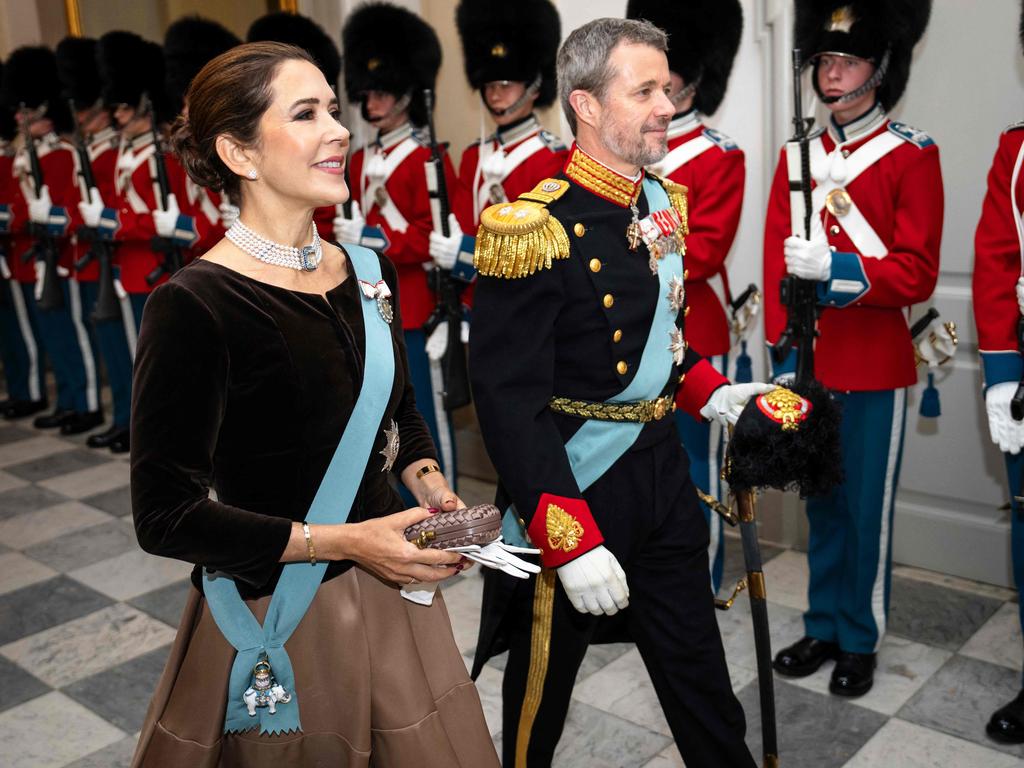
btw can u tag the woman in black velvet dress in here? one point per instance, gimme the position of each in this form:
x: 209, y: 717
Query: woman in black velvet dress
x: 245, y: 379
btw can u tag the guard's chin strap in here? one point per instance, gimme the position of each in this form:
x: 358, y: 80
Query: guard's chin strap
x: 531, y: 90
x: 872, y: 82
x: 401, y: 105
x: 685, y: 92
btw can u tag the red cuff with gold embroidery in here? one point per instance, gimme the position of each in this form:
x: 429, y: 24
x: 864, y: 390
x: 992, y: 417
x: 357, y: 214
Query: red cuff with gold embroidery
x: 697, y: 385
x: 562, y: 529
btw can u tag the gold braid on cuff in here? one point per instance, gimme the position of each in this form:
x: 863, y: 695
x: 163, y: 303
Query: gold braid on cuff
x: 640, y: 411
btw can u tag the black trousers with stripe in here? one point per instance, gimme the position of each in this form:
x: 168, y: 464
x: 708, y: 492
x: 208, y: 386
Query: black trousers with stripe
x: 649, y: 515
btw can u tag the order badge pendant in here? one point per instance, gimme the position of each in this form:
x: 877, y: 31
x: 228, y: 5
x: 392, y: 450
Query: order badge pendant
x: 265, y: 691
x: 385, y: 309
x: 838, y: 202
x: 391, y: 444
x: 633, y: 235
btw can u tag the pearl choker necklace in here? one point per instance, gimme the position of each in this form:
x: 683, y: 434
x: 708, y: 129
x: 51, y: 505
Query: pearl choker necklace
x: 306, y: 258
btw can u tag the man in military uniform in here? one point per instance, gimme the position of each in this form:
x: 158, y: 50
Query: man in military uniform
x: 998, y: 312
x: 52, y: 201
x: 509, y: 52
x: 704, y: 36
x: 876, y: 226
x: 578, y: 358
x: 391, y: 56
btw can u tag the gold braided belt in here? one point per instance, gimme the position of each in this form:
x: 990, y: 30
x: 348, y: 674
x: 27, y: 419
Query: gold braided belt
x: 641, y: 411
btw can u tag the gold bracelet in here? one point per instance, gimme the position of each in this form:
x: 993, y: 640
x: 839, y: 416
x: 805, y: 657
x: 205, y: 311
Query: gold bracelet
x: 427, y: 470
x: 309, y: 543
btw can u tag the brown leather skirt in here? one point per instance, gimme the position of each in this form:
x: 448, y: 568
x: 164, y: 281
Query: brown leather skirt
x: 380, y: 683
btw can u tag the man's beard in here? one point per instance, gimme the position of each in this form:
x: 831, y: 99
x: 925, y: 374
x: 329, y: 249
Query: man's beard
x: 630, y: 147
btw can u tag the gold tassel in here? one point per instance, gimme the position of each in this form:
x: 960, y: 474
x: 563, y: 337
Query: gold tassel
x: 517, y: 239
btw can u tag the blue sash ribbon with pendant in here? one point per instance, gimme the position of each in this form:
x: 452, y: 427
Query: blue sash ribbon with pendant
x: 299, y: 582
x: 597, y: 445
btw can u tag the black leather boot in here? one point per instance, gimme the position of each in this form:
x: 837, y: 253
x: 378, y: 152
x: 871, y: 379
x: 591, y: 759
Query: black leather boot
x: 120, y: 443
x: 854, y: 674
x: 81, y: 422
x: 1007, y: 723
x: 804, y: 657
x: 53, y: 420
x: 103, y: 439
x: 19, y: 409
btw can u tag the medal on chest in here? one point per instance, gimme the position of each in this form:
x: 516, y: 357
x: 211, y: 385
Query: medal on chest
x: 265, y: 691
x: 662, y: 233
x: 391, y: 445
x: 382, y: 295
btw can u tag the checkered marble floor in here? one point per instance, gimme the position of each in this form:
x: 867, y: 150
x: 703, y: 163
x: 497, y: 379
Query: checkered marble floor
x: 86, y: 619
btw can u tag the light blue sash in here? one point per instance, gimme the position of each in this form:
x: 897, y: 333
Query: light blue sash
x: 299, y: 581
x: 597, y: 445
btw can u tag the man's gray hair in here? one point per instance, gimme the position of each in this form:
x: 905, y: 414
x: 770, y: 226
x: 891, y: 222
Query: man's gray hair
x: 583, y: 58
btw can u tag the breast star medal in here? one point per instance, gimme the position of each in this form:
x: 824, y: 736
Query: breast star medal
x: 391, y: 443
x: 677, y: 345
x: 676, y: 293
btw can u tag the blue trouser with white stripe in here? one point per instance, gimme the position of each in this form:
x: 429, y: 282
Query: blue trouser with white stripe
x: 72, y: 351
x: 116, y: 340
x: 850, y: 547
x: 1014, y: 467
x: 704, y: 442
x: 427, y: 385
x: 21, y: 346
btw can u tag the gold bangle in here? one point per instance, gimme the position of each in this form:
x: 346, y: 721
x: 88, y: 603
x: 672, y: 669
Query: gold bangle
x: 309, y: 543
x: 427, y: 470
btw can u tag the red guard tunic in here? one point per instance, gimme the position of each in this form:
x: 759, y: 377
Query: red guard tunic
x: 389, y: 183
x: 711, y: 167
x: 997, y: 261
x: 885, y: 248
x: 135, y: 200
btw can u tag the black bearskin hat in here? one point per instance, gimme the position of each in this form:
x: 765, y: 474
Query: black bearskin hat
x: 189, y: 44
x: 787, y: 441
x: 8, y: 128
x: 302, y: 32
x: 77, y: 71
x: 510, y: 41
x: 30, y: 78
x: 866, y: 29
x: 130, y: 66
x: 703, y: 37
x: 390, y: 49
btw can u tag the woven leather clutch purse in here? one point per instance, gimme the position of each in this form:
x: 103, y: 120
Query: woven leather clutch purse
x: 474, y: 525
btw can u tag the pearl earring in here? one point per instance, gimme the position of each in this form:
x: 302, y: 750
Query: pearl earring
x: 252, y: 174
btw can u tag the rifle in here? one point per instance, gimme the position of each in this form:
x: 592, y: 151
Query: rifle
x: 51, y: 295
x: 107, y: 306
x: 800, y: 296
x: 172, y: 259
x: 454, y: 371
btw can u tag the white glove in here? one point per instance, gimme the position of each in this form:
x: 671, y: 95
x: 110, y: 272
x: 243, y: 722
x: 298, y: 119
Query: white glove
x: 501, y: 557
x: 1006, y: 433
x: 727, y: 402
x: 1020, y: 295
x: 228, y: 214
x: 350, y: 230
x: 39, y: 207
x: 437, y: 343
x: 92, y: 209
x: 809, y: 259
x: 595, y: 583
x: 784, y: 379
x: 445, y: 250
x: 166, y: 221
x: 938, y: 346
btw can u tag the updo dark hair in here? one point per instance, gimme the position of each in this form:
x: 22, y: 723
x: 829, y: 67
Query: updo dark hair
x: 228, y: 96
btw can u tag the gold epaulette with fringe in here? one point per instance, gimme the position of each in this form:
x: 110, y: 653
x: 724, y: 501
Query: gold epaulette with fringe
x: 519, y: 238
x: 677, y: 196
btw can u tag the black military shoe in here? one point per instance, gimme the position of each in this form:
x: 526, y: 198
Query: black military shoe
x: 120, y: 444
x: 804, y: 657
x: 53, y: 420
x: 103, y: 439
x: 81, y: 422
x: 854, y: 674
x: 1007, y: 723
x: 19, y: 409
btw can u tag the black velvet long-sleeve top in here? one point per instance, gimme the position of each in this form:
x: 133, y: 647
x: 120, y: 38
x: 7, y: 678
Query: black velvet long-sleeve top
x: 247, y: 387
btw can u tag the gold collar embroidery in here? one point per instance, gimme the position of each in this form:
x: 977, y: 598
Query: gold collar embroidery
x: 601, y: 180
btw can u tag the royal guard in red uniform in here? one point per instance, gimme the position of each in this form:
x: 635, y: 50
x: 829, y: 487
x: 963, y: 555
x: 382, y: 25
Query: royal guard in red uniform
x: 153, y: 233
x: 391, y: 56
x: 298, y: 30
x: 873, y: 252
x: 999, y: 313
x: 704, y: 36
x: 46, y: 178
x: 20, y: 344
x: 509, y: 52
